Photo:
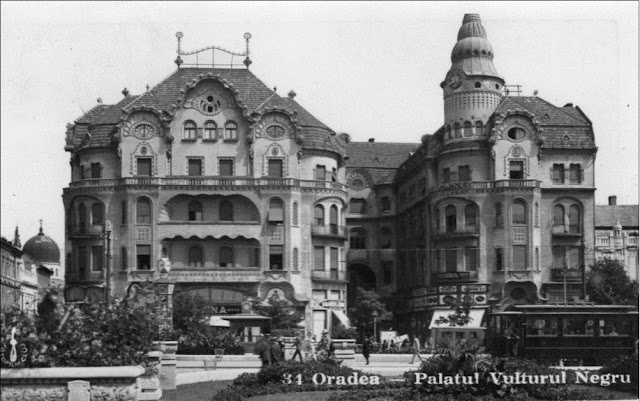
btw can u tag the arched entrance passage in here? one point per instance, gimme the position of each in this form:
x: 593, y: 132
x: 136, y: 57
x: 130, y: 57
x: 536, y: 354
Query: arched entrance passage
x: 360, y: 276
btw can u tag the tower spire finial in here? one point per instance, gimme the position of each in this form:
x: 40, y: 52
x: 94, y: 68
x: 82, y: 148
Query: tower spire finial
x: 178, y: 59
x: 16, y: 238
x: 247, y: 61
x: 41, y: 232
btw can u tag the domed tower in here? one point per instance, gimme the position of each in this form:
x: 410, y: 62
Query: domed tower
x: 472, y: 87
x: 44, y: 250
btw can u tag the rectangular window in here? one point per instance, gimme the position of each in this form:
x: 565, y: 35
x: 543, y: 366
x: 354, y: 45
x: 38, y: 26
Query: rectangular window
x: 195, y: 167
x: 143, y: 257
x: 516, y: 170
x: 144, y: 166
x: 357, y: 206
x: 319, y: 295
x: 387, y: 273
x: 97, y: 253
x: 575, y: 174
x: 451, y: 259
x: 275, y: 257
x: 318, y: 258
x: 519, y: 257
x: 471, y: 259
x: 446, y: 175
x: 226, y: 167
x: 334, y: 295
x: 321, y: 173
x: 334, y: 175
x: 464, y: 173
x: 96, y: 170
x: 558, y: 173
x: 333, y: 260
x: 558, y: 257
x: 123, y: 210
x: 573, y: 257
x: 386, y: 204
x: 275, y: 168
x: 254, y: 257
x: 82, y: 261
x: 499, y: 259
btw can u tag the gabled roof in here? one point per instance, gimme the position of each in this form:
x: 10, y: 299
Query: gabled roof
x: 607, y: 215
x: 563, y: 127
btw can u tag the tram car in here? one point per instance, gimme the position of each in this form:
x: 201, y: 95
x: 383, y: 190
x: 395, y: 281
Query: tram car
x: 585, y: 333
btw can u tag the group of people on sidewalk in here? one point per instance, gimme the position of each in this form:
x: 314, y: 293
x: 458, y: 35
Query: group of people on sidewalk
x: 415, y: 348
x: 272, y: 350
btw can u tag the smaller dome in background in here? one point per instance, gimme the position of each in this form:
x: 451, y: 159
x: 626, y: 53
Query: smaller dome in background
x: 42, y: 248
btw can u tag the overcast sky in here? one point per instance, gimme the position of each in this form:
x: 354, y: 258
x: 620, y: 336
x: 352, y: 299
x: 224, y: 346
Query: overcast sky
x: 371, y: 70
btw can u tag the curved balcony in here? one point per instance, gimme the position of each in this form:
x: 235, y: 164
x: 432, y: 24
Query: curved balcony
x: 332, y: 231
x: 571, y: 231
x: 203, y: 229
x: 467, y: 232
x: 570, y: 275
x: 213, y: 183
x: 450, y: 277
x: 236, y: 275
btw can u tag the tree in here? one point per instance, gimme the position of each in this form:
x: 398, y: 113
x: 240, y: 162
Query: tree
x: 609, y: 284
x: 361, y: 313
x: 283, y: 315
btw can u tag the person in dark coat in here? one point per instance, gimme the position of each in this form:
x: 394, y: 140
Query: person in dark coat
x: 298, y: 345
x: 366, y: 348
x: 263, y: 348
x: 276, y: 351
x: 281, y: 345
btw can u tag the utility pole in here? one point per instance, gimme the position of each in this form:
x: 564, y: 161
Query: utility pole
x: 107, y: 292
x: 584, y: 270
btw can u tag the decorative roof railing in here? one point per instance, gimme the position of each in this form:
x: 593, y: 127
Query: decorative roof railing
x: 247, y: 61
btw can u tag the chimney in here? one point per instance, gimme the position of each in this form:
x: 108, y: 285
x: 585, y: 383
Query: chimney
x: 291, y: 94
x: 125, y: 92
x: 613, y: 200
x: 568, y: 105
x: 372, y: 140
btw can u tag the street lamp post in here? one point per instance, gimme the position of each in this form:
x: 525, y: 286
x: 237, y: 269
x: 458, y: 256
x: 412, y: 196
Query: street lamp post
x: 107, y: 293
x: 375, y: 321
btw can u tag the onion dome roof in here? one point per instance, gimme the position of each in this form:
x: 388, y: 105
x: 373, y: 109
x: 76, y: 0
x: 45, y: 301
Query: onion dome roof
x: 42, y: 248
x: 473, y: 53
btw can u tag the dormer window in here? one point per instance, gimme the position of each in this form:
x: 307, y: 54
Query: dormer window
x: 275, y: 132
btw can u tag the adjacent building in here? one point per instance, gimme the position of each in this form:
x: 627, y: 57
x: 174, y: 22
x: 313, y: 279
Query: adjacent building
x: 617, y: 235
x: 10, y: 276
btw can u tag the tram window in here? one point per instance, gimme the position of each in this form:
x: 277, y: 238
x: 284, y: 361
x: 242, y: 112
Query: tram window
x: 614, y: 328
x: 459, y: 335
x: 575, y: 327
x: 542, y: 327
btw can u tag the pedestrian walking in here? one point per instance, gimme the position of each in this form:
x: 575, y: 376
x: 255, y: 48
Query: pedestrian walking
x: 308, y: 348
x: 416, y: 350
x: 366, y: 349
x: 281, y: 345
x: 298, y: 345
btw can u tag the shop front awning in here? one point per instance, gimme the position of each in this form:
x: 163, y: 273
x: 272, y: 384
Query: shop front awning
x: 475, y: 322
x: 342, y: 317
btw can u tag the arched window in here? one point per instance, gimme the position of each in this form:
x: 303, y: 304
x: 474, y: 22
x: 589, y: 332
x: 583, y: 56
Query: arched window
x: 499, y: 218
x: 479, y: 128
x: 451, y: 220
x: 143, y: 211
x: 195, y: 211
x: 358, y: 238
x: 210, y: 129
x: 574, y: 219
x: 318, y: 215
x: 519, y: 212
x: 124, y: 262
x: 536, y: 214
x: 385, y: 238
x: 189, y: 130
x: 195, y: 256
x: 226, y: 256
x: 448, y: 131
x: 333, y: 219
x: 558, y: 216
x: 468, y: 129
x: 226, y: 211
x: 458, y: 130
x: 294, y: 213
x: 470, y: 218
x: 230, y: 131
x: 82, y: 218
x: 295, y: 257
x: 97, y: 214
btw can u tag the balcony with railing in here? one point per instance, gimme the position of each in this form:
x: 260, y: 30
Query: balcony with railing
x: 328, y: 275
x: 457, y: 276
x: 571, y: 230
x: 211, y: 182
x: 571, y: 275
x: 451, y: 232
x: 486, y: 185
x: 235, y: 275
x: 331, y: 230
x: 603, y: 242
